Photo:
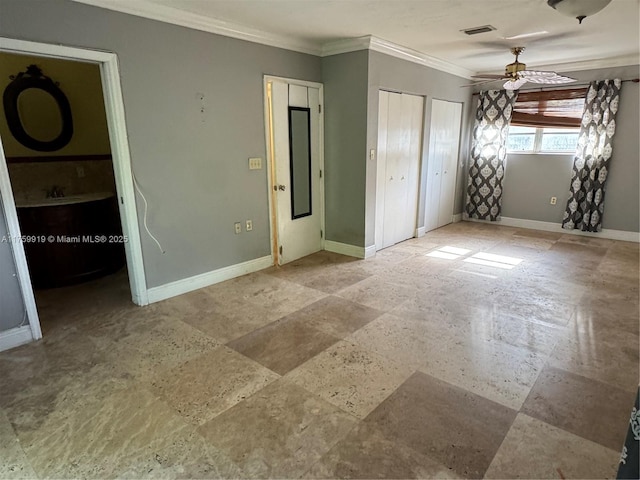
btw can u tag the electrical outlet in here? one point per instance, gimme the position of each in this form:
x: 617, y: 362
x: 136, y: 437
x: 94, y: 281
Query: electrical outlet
x: 238, y: 227
x: 554, y: 200
x: 80, y: 172
x: 255, y: 163
x: 249, y: 225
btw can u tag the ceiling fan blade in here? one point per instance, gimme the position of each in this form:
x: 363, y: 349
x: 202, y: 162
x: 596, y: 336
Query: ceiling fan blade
x: 534, y: 76
x: 489, y: 75
x: 514, y: 84
x: 480, y: 83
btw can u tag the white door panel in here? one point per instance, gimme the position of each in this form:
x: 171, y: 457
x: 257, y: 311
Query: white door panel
x: 400, y: 121
x: 297, y: 182
x: 442, y: 163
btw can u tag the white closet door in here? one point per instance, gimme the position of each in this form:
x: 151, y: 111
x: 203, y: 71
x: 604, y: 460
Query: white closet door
x: 444, y: 142
x: 400, y: 121
x: 414, y: 113
x: 449, y: 164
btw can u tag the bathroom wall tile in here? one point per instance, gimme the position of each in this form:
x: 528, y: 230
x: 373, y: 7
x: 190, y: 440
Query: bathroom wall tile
x: 534, y: 449
x: 278, y: 432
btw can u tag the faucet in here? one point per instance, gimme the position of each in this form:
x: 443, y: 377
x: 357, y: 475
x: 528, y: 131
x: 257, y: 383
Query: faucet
x: 55, y: 192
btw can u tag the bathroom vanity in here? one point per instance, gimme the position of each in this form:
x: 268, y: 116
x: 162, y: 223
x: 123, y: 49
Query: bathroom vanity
x: 71, y: 239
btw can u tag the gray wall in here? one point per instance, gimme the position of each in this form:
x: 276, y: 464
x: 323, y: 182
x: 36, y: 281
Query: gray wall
x: 391, y: 73
x: 345, y: 155
x: 11, y: 304
x: 530, y: 180
x: 193, y: 168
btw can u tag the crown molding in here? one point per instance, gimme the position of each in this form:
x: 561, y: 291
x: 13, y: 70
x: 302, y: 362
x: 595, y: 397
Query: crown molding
x: 613, y: 62
x: 621, y: 61
x: 166, y: 14
x: 389, y: 48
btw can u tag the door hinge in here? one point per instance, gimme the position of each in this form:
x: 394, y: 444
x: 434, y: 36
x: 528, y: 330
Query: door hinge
x: 320, y: 173
x: 319, y: 108
x: 320, y: 233
x: 280, y: 249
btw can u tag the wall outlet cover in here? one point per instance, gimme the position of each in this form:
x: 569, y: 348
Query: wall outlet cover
x: 238, y: 227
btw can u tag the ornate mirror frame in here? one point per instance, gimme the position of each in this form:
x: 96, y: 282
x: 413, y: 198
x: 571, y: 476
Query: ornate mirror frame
x: 34, y: 78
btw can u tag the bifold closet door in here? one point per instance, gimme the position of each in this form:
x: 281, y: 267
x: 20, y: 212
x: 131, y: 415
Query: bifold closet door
x: 444, y: 140
x: 400, y: 124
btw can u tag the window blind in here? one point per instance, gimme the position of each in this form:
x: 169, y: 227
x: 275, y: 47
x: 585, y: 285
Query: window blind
x: 552, y: 108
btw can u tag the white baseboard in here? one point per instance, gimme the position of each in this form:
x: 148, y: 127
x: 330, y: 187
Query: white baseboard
x: 15, y: 337
x: 557, y: 227
x: 420, y: 231
x: 345, y: 249
x: 457, y: 218
x: 185, y: 285
x: 370, y: 251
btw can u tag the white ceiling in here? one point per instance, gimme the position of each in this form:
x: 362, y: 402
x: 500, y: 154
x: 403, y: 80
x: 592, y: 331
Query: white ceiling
x: 431, y: 27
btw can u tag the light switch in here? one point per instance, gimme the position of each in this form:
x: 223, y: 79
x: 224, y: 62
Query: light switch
x: 255, y: 163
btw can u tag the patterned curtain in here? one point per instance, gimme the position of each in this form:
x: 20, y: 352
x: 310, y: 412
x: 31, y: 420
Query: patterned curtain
x: 593, y: 157
x: 488, y: 154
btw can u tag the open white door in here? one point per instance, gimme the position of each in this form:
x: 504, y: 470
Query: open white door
x: 296, y: 175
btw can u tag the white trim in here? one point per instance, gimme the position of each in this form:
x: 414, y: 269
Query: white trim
x: 371, y: 42
x: 457, y: 218
x: 176, y: 16
x: 622, y: 61
x: 557, y: 227
x: 345, y: 249
x: 420, y: 231
x: 15, y: 337
x: 370, y: 251
x: 17, y: 248
x: 185, y: 285
x: 114, y: 108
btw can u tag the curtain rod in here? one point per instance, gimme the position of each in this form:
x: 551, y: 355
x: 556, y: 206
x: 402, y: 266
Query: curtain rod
x: 564, y: 86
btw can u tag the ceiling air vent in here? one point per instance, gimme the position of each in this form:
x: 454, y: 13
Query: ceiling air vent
x: 477, y: 30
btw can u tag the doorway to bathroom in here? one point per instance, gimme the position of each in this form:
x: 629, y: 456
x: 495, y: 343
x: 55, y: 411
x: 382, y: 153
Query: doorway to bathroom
x: 68, y: 212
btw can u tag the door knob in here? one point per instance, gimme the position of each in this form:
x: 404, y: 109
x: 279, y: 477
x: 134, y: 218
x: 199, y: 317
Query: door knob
x: 282, y: 188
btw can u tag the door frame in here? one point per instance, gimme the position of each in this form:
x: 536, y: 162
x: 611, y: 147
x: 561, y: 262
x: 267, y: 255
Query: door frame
x: 121, y: 159
x: 268, y: 123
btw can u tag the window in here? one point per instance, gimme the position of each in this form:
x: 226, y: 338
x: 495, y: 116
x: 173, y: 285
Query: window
x: 542, y: 139
x: 547, y: 121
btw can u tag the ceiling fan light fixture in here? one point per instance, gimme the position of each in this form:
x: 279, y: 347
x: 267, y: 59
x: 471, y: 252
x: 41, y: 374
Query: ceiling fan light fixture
x: 579, y: 9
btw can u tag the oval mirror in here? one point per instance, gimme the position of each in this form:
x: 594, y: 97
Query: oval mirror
x: 39, y: 115
x: 38, y: 112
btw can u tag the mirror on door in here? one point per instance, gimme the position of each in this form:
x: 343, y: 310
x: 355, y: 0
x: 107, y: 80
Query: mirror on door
x: 300, y: 161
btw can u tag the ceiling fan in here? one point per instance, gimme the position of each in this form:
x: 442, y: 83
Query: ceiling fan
x: 516, y: 75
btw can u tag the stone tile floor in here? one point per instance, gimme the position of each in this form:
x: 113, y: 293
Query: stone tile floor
x: 475, y: 351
